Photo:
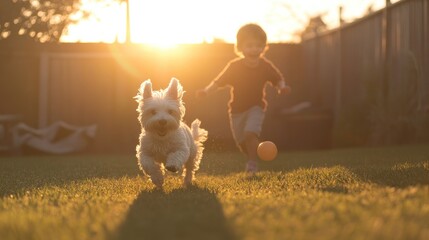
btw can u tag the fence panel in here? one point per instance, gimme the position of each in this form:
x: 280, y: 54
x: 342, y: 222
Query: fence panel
x: 85, y: 84
x: 382, y: 67
x: 19, y: 73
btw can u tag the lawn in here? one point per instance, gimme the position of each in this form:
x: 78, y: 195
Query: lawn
x: 370, y: 193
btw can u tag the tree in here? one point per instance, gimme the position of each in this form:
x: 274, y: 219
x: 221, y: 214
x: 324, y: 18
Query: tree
x: 315, y: 26
x: 38, y: 20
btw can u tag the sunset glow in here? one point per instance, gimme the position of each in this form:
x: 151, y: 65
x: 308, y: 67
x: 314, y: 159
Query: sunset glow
x: 168, y: 22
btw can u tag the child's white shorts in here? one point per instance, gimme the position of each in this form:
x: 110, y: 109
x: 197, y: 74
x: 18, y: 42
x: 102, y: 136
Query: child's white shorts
x: 249, y: 121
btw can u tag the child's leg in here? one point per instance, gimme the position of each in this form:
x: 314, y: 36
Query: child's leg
x: 243, y: 149
x: 253, y: 127
x: 246, y: 128
x: 251, y: 142
x: 237, y: 124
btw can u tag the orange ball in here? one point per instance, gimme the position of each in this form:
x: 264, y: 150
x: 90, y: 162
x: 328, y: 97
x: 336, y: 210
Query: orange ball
x: 267, y: 151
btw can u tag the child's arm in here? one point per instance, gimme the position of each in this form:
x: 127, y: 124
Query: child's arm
x: 283, y: 88
x: 212, y: 87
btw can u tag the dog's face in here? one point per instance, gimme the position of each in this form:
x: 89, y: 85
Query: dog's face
x: 160, y: 111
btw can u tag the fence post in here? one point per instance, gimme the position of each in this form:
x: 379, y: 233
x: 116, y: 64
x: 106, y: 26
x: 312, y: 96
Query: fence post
x: 339, y: 69
x: 128, y: 23
x: 385, y: 51
x: 425, y: 71
x: 43, y: 89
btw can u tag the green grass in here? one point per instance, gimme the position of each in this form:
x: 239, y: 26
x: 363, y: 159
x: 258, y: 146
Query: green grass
x: 368, y: 193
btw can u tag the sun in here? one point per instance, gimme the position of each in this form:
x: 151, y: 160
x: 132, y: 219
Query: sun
x: 163, y: 23
x: 169, y: 22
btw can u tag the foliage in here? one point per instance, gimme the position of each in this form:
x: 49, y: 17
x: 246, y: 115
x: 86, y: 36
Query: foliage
x: 39, y: 20
x: 341, y: 194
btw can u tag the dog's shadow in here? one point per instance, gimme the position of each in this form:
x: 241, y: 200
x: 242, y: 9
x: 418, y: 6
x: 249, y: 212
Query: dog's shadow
x: 190, y: 213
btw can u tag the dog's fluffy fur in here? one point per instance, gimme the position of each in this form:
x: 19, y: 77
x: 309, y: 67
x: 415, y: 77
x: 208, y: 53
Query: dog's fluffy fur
x: 165, y: 140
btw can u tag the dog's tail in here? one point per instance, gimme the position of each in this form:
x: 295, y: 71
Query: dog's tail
x: 199, y: 134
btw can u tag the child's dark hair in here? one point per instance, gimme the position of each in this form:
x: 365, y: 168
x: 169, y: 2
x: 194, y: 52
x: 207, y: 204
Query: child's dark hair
x: 250, y: 31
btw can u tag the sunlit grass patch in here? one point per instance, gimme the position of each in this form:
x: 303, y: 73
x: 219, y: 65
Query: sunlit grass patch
x: 340, y: 194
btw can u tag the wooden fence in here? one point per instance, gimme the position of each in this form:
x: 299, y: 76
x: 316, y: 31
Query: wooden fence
x: 371, y: 75
x: 379, y: 62
x: 85, y: 84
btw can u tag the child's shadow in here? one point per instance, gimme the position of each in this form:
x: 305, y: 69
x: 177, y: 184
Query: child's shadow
x: 192, y: 213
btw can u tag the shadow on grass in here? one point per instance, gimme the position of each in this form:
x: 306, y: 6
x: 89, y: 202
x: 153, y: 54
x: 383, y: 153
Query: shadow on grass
x: 192, y: 213
x: 22, y: 173
x: 396, y: 177
x: 401, y: 166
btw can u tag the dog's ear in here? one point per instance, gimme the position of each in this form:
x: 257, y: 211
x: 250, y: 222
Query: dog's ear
x: 174, y: 89
x: 147, y: 89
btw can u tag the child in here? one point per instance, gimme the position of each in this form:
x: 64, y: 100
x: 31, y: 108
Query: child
x: 247, y: 76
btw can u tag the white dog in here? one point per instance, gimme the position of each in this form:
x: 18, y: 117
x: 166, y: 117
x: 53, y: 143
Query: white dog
x: 165, y: 140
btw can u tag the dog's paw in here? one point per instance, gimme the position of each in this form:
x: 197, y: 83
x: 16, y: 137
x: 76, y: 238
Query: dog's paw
x: 188, y: 183
x: 157, y: 181
x: 172, y: 168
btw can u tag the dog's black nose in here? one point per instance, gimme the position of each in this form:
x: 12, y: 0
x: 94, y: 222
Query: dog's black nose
x: 162, y: 122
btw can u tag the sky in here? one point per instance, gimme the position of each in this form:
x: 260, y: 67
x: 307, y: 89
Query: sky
x: 166, y: 22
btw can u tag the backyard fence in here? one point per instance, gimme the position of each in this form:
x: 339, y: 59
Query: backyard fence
x: 374, y: 74
x: 84, y: 84
x: 365, y: 82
